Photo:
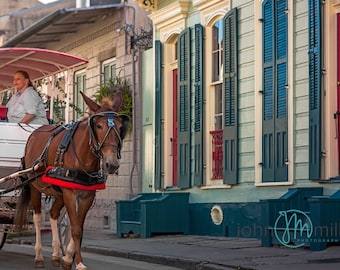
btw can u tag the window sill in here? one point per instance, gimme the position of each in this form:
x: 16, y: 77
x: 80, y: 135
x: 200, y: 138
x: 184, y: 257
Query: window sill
x: 270, y: 184
x: 222, y: 186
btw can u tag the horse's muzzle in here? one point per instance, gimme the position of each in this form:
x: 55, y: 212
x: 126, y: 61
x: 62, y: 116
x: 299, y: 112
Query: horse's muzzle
x: 112, y: 168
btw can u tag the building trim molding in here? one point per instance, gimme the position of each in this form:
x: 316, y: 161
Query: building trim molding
x: 149, y: 5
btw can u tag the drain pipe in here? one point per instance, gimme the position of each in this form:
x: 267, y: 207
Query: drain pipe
x: 134, y: 135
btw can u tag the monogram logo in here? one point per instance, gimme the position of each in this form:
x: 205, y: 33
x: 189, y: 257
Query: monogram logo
x: 291, y: 226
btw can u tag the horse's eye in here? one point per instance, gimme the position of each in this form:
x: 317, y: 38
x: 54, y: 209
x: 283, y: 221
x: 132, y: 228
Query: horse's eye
x: 98, y: 126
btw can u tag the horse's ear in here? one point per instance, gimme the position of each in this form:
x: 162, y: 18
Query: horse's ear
x: 93, y: 106
x: 117, y: 101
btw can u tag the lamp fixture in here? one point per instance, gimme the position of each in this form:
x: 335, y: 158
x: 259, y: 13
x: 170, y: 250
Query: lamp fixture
x: 125, y: 27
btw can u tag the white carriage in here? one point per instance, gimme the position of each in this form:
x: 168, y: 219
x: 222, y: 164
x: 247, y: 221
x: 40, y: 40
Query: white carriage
x: 12, y: 144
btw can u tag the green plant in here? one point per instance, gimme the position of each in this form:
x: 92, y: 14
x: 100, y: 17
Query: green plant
x: 6, y: 97
x: 106, y: 91
x: 110, y: 89
x: 59, y: 102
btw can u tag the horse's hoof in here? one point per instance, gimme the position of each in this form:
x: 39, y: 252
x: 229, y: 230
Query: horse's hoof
x: 55, y: 261
x: 66, y: 265
x: 39, y: 264
x: 81, y: 266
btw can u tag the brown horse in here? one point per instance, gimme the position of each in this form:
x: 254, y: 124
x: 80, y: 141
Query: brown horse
x: 88, y: 152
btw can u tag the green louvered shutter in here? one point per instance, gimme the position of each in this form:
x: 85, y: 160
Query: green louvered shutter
x: 158, y: 115
x: 275, y: 124
x: 198, y: 176
x: 183, y: 109
x: 230, y: 133
x: 315, y: 70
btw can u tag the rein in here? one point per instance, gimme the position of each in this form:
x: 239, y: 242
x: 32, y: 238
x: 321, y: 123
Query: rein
x: 22, y: 184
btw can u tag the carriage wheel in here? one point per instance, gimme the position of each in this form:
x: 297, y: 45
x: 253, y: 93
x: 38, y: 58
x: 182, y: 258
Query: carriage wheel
x: 2, y: 238
x: 64, y: 230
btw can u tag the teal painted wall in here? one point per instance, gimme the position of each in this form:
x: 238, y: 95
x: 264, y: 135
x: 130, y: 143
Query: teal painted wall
x: 239, y: 220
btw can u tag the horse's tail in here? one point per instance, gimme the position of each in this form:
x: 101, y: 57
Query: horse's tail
x: 22, y: 207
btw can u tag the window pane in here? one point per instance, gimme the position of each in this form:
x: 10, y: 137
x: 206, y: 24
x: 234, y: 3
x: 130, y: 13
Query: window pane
x: 217, y: 40
x: 218, y: 107
x: 218, y: 99
x: 109, y: 71
x: 80, y: 85
x: 216, y: 67
x: 113, y: 71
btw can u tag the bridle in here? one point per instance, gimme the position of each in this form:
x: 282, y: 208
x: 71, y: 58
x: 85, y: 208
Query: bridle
x: 97, y: 145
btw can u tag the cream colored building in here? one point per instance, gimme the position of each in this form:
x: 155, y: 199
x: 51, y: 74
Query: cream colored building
x: 110, y: 38
x: 245, y: 110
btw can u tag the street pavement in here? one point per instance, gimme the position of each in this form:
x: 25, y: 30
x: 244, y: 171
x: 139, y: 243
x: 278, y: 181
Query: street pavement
x: 195, y: 252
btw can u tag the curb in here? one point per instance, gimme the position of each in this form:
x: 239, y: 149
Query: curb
x: 181, y: 263
x: 177, y: 262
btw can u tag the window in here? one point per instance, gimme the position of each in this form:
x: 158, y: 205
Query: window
x: 79, y: 85
x: 83, y: 3
x: 216, y: 79
x: 108, y: 70
x: 221, y: 96
x: 217, y: 71
x: 224, y: 133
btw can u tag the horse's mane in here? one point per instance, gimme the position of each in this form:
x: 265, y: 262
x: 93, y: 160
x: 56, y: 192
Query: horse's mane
x: 106, y: 101
x: 106, y: 104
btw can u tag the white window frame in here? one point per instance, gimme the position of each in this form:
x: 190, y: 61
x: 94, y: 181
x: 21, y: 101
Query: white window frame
x: 78, y: 101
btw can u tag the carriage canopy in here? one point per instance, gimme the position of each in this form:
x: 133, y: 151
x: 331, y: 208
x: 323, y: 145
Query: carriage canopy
x: 39, y: 63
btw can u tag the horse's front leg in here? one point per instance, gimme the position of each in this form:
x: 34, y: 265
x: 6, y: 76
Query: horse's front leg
x: 77, y: 217
x: 70, y: 200
x: 39, y: 259
x: 85, y: 201
x: 55, y: 243
x: 54, y: 215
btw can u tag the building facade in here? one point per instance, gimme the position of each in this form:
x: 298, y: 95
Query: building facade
x: 243, y: 107
x: 111, y: 37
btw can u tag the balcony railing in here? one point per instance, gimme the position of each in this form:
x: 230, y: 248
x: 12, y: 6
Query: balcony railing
x: 217, y: 154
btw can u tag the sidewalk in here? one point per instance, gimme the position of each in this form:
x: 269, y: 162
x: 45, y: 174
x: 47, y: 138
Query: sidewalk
x: 202, y: 252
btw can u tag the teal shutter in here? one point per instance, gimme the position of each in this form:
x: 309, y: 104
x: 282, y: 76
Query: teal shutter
x: 230, y: 133
x: 183, y: 110
x: 198, y: 172
x: 275, y: 122
x: 315, y: 70
x: 158, y: 115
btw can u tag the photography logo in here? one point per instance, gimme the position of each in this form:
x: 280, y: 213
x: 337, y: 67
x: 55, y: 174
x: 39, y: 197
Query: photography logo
x: 291, y: 226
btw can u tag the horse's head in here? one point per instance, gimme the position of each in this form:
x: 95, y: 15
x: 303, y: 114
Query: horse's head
x: 107, y: 129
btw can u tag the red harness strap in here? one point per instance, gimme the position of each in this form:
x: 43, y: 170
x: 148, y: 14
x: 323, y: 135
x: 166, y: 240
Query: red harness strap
x: 70, y: 184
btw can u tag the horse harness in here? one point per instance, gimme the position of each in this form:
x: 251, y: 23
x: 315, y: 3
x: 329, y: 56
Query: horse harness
x: 76, y: 176
x: 69, y: 174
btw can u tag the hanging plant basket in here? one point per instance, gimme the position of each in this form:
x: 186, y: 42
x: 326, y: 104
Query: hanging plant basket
x: 110, y: 89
